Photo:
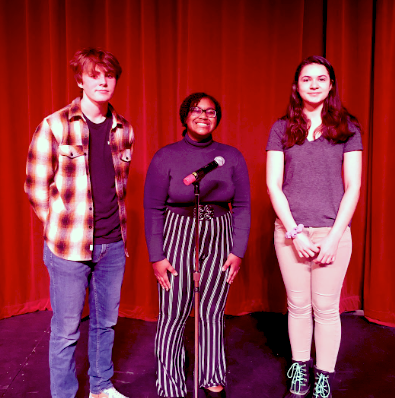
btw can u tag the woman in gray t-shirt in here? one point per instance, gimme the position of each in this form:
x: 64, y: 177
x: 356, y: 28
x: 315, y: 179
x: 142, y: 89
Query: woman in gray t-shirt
x: 307, y: 152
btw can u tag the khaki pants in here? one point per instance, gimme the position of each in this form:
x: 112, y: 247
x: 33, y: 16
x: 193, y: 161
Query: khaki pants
x: 313, y: 289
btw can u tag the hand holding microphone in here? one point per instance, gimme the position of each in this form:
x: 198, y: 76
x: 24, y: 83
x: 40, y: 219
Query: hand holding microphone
x: 197, y: 175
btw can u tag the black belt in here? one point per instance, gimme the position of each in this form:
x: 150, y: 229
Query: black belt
x: 207, y: 211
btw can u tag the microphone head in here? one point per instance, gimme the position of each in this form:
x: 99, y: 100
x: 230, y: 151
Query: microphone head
x: 220, y: 160
x: 188, y: 180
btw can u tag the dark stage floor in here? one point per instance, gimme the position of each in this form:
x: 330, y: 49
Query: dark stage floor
x: 257, y: 351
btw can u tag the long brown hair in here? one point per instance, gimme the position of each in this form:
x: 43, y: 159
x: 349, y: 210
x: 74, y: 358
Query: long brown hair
x: 335, y: 117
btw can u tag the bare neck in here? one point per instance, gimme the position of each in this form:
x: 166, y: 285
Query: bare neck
x: 94, y: 111
x: 313, y: 113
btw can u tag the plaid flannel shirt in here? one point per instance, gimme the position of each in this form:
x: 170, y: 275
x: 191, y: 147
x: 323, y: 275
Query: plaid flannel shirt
x: 58, y: 181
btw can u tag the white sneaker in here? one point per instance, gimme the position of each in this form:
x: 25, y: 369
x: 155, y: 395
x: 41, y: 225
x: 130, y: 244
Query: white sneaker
x: 110, y: 393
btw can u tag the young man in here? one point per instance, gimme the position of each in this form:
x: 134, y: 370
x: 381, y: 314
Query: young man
x: 77, y: 169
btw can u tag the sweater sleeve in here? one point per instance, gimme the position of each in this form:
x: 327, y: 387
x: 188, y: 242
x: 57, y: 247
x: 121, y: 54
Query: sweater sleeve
x: 241, y: 206
x: 155, y: 196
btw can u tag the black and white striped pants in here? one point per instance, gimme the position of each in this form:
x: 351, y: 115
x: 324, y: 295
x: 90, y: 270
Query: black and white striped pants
x: 176, y: 304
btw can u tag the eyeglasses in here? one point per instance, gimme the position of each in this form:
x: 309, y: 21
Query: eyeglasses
x: 195, y: 110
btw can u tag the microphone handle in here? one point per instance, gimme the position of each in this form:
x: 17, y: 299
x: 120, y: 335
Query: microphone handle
x: 199, y: 174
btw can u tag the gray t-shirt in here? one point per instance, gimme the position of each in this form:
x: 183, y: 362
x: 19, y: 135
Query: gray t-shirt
x: 313, y: 181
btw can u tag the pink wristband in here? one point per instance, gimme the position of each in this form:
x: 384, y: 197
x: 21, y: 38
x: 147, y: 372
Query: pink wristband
x: 293, y: 232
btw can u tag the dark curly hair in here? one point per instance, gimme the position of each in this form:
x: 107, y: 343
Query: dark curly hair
x: 335, y: 116
x: 193, y: 100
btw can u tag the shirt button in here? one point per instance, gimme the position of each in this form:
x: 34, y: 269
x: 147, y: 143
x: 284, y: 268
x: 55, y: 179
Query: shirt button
x: 90, y: 226
x: 90, y: 208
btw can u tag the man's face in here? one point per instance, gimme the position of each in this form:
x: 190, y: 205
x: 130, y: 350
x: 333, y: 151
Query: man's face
x: 98, y: 86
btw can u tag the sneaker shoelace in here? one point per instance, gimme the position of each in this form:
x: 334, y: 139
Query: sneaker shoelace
x: 322, y: 388
x: 297, y: 373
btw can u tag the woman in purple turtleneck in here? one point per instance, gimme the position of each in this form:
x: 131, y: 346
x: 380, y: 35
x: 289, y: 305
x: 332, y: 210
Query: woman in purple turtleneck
x: 169, y: 229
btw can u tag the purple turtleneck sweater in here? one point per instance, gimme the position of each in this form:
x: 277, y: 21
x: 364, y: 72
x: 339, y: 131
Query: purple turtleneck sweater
x: 164, y: 187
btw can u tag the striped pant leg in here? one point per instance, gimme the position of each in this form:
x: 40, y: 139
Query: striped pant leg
x: 216, y: 244
x: 175, y: 306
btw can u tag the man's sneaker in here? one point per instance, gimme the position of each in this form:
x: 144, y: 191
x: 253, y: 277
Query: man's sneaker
x: 108, y: 393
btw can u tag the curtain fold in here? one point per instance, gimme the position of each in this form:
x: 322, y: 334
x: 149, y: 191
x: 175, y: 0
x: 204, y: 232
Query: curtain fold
x: 379, y: 272
x: 349, y: 35
x: 244, y: 53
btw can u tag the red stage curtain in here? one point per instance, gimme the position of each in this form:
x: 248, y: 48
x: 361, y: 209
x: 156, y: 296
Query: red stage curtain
x: 349, y: 48
x: 242, y: 52
x: 379, y: 270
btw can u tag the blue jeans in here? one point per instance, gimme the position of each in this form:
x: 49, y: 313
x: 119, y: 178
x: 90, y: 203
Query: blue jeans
x: 68, y: 282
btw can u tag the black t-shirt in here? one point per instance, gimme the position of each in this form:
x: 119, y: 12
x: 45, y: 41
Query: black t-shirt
x: 107, y: 228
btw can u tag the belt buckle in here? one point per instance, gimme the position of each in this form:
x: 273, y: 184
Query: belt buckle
x: 206, y: 212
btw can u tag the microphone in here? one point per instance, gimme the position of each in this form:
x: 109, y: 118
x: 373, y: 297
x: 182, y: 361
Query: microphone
x: 199, y: 174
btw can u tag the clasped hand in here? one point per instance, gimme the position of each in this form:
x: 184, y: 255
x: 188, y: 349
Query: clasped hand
x: 323, y: 252
x: 161, y: 268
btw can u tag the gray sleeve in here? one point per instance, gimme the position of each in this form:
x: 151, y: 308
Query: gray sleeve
x: 276, y: 135
x: 354, y: 143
